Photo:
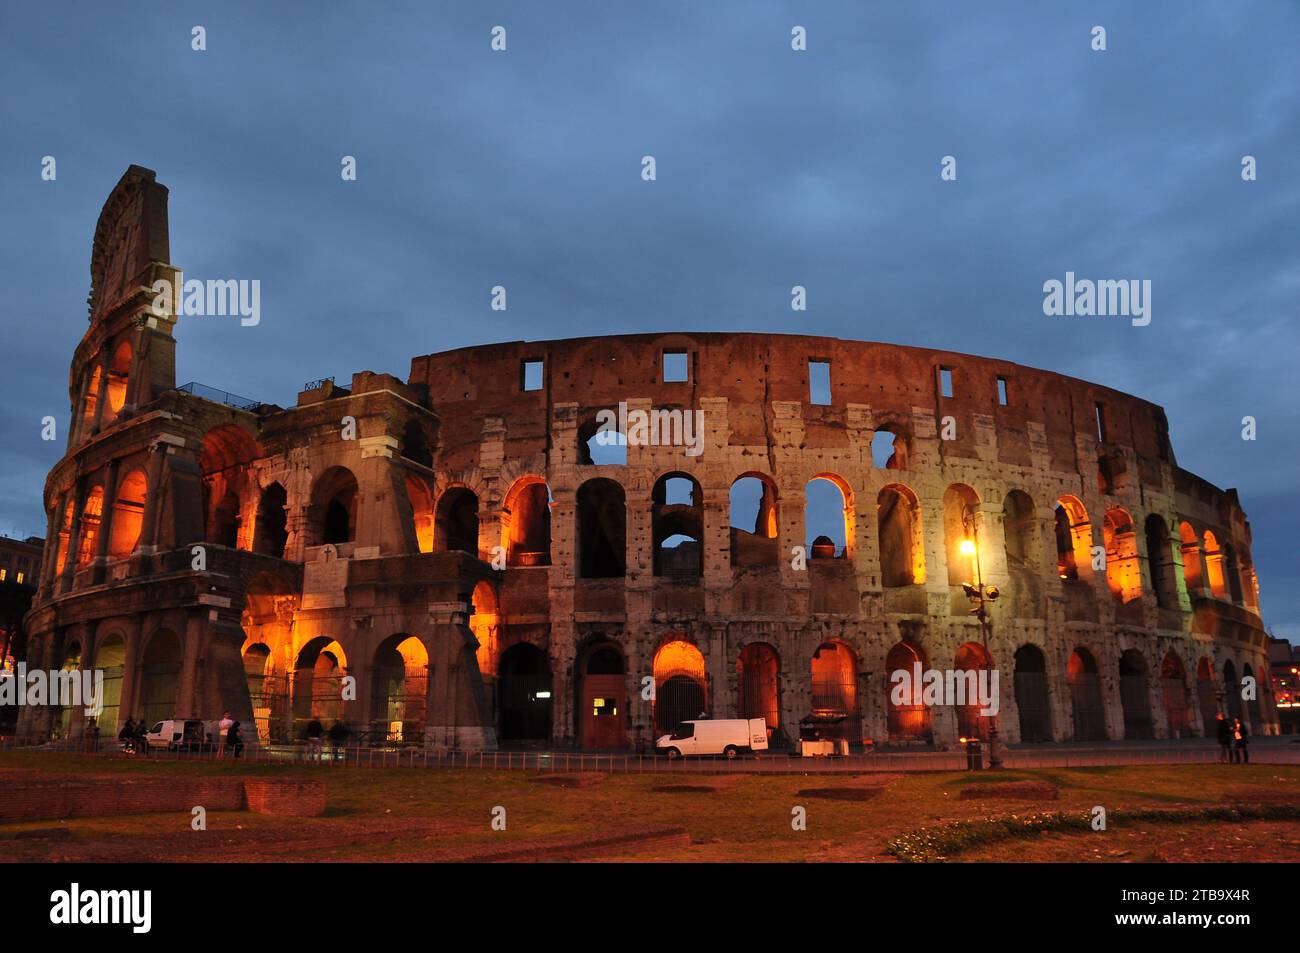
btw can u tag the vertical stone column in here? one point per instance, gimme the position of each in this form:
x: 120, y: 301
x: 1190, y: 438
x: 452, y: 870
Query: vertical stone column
x: 106, y: 521
x: 101, y: 397
x: 129, y: 705
x: 192, y: 641
x: 78, y: 495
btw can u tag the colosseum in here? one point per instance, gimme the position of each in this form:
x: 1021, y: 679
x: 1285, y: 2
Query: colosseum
x: 476, y: 557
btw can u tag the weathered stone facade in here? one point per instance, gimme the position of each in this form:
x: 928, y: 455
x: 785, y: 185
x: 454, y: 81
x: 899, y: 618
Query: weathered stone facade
x: 460, y: 544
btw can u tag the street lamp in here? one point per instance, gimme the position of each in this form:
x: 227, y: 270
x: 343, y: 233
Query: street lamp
x: 980, y: 595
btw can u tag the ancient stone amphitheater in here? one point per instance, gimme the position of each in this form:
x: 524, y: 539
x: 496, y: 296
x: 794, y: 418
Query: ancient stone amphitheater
x: 472, y: 557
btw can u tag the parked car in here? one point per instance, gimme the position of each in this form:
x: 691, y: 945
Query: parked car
x: 727, y: 736
x: 176, y: 733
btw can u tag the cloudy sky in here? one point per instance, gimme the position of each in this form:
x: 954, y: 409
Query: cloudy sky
x: 775, y: 168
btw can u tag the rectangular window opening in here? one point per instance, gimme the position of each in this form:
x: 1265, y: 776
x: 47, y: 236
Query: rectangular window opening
x: 677, y: 367
x: 532, y: 375
x: 945, y: 381
x: 1002, y: 391
x: 1101, y: 423
x: 819, y: 382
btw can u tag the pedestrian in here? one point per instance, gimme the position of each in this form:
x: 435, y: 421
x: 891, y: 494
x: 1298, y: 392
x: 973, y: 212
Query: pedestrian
x: 223, y: 729
x: 1225, y: 739
x: 141, y: 737
x: 233, y: 741
x: 1240, y: 735
x: 314, y: 732
x: 338, y: 737
x: 127, y: 735
x: 92, y: 736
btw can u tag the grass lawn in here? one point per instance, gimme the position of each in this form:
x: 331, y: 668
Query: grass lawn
x: 418, y: 814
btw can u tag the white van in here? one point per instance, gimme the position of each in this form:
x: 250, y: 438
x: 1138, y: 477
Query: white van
x: 731, y: 737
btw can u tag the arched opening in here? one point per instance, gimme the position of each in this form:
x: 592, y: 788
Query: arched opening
x: 1173, y: 689
x: 1233, y: 573
x: 1073, y: 538
x: 525, y: 693
x: 677, y: 518
x: 64, y: 538
x: 601, y: 696
x: 318, y: 684
x: 528, y: 530
x: 961, y: 518
x: 601, y: 444
x: 272, y: 532
x: 1232, y: 689
x: 888, y: 449
x: 1193, y: 567
x: 400, y: 692
x: 1252, y: 703
x: 415, y: 444
x: 602, y: 530
x: 1160, y: 559
x: 1123, y: 570
x: 681, y: 691
x: 457, y: 522
x: 160, y: 677
x: 752, y: 503
x: 91, y: 403
x: 71, y: 664
x: 224, y: 459
x: 1019, y: 534
x: 1207, y: 696
x: 1085, y: 696
x: 483, y: 623
x: 835, y: 692
x: 828, y: 517
x: 91, y: 514
x: 128, y: 515
x: 907, y: 715
x: 970, y: 661
x: 758, y: 670
x: 1032, y: 699
x: 1135, y: 696
x: 257, y: 669
x: 902, y: 550
x: 110, y: 658
x: 334, y: 507
x: 1214, y: 566
x: 119, y: 373
x: 420, y: 497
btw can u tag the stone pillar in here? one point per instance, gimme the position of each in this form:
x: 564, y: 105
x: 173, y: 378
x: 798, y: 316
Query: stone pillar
x: 101, y: 397
x: 74, y: 537
x: 191, y: 643
x: 129, y: 705
x: 105, y: 521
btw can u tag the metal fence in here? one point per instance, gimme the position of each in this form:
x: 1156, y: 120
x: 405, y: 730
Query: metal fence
x: 414, y: 756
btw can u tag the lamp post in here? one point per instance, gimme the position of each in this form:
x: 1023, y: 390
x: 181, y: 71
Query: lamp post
x: 981, y: 595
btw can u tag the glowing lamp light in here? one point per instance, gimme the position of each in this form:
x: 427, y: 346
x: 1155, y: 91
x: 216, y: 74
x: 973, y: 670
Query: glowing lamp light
x: 967, y: 547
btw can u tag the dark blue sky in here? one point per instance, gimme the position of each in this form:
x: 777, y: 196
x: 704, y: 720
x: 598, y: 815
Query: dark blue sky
x: 775, y: 168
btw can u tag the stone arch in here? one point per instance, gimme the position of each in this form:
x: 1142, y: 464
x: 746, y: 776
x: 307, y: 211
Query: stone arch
x: 961, y: 521
x: 110, y: 658
x: 681, y: 687
x: 119, y: 376
x: 420, y: 496
x: 600, y: 693
x: 828, y: 517
x: 224, y: 458
x: 399, y: 692
x: 1215, y: 576
x: 754, y: 524
x: 456, y: 521
x: 90, y: 404
x: 1123, y: 569
x: 128, y: 515
x: 1084, y: 681
x: 971, y: 659
x: 902, y: 547
x: 526, y: 522
x: 1173, y: 690
x: 271, y: 532
x: 601, y: 443
x: 334, y: 507
x: 1193, y: 566
x: 907, y: 719
x: 318, y: 684
x: 1207, y: 698
x: 1135, y: 695
x: 677, y: 527
x: 834, y: 668
x: 483, y: 622
x: 601, y: 537
x: 890, y: 445
x: 1033, y: 695
x: 524, y: 693
x: 1073, y: 530
x: 92, y: 512
x: 417, y: 442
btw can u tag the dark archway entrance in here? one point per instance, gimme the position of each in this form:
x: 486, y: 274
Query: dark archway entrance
x: 1135, y: 696
x: 524, y: 691
x: 1085, y: 696
x: 1031, y: 694
x: 1173, y: 684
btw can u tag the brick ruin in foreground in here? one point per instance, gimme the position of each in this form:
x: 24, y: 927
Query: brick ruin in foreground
x: 488, y: 571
